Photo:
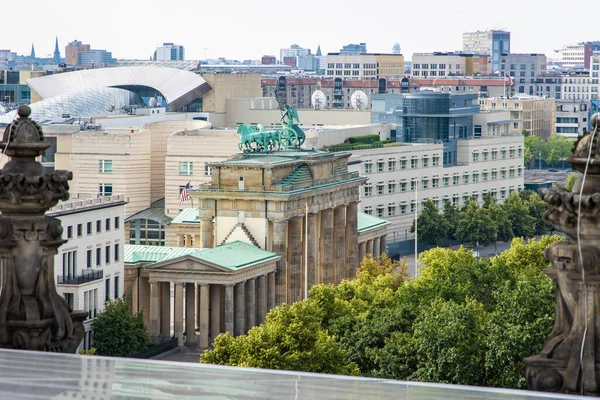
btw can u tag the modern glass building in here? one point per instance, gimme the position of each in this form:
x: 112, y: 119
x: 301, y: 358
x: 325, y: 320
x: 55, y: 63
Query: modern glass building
x: 428, y: 117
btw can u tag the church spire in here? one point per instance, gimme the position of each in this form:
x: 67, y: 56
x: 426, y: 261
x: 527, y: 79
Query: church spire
x: 56, y: 57
x: 319, y: 51
x: 32, y: 51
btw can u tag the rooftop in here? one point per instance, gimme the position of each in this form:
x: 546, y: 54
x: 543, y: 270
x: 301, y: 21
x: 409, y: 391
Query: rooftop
x: 367, y: 222
x: 34, y: 375
x: 187, y: 216
x: 234, y: 255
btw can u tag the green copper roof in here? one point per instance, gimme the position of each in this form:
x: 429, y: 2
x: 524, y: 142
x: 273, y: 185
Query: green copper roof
x: 156, y: 212
x: 187, y: 216
x: 234, y: 255
x: 367, y: 222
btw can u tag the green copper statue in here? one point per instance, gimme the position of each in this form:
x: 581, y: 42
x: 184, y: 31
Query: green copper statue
x: 288, y: 135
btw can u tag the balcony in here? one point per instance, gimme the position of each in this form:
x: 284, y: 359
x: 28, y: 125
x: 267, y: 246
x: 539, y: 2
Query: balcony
x: 84, y: 277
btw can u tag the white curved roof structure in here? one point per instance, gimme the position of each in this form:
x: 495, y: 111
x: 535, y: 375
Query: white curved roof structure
x: 179, y: 87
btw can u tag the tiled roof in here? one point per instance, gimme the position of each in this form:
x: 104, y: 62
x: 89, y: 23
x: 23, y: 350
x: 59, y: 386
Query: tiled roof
x: 367, y: 222
x: 234, y: 255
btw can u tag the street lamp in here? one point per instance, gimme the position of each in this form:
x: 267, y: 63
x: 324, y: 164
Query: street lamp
x: 540, y: 163
x: 496, y: 243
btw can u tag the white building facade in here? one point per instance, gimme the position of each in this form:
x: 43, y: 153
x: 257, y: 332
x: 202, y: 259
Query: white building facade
x: 89, y: 268
x: 402, y: 176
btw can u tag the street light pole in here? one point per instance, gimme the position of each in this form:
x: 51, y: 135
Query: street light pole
x: 416, y: 232
x: 540, y: 163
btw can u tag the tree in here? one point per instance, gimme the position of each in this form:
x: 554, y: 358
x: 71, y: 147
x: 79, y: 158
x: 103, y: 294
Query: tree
x: 537, y: 209
x: 517, y: 210
x: 503, y: 226
x: 553, y: 156
x: 451, y: 216
x: 475, y: 225
x: 432, y: 228
x: 571, y: 179
x: 118, y: 332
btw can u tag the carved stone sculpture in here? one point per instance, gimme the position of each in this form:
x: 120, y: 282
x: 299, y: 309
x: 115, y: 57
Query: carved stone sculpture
x: 33, y: 316
x: 570, y: 359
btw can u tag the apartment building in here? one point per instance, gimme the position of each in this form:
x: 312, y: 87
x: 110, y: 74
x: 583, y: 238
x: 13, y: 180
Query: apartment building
x: 532, y: 114
x: 575, y: 55
x: 369, y: 66
x: 400, y: 177
x: 491, y: 42
x: 440, y: 64
x: 89, y: 267
x: 572, y: 117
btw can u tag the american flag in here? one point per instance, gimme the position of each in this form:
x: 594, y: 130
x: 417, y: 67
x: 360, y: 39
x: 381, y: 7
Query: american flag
x: 184, y: 195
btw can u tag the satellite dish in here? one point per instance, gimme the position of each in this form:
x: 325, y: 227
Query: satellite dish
x: 359, y: 100
x: 318, y: 100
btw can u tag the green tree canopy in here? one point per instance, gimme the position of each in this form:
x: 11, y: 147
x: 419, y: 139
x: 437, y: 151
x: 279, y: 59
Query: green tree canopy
x: 450, y: 216
x: 118, y: 332
x: 475, y: 225
x: 432, y: 229
x: 517, y: 210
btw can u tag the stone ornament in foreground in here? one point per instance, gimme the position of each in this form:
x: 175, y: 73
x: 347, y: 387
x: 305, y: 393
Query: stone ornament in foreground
x: 569, y: 361
x: 33, y: 316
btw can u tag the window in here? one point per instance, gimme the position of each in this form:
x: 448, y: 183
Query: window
x: 391, y: 210
x: 368, y: 167
x: 107, y: 224
x: 107, y: 289
x: 69, y: 297
x: 369, y: 210
x: 435, y: 182
x: 475, y: 157
x: 511, y: 153
x: 485, y: 155
x: 391, y: 165
x: 402, y: 164
x: 466, y: 179
x: 475, y: 178
x: 105, y: 166
x: 69, y: 265
x: 392, y: 187
x: 105, y: 189
x: 494, y: 175
x: 207, y: 170
x: 494, y: 154
x: 403, y: 186
x: 425, y: 162
x: 413, y: 185
x: 379, y: 166
x: 484, y: 176
x: 425, y: 183
x: 98, y: 256
x: 69, y: 232
x: 402, y: 208
x: 454, y: 199
x: 379, y: 187
x: 186, y: 168
x: 117, y: 252
x: 89, y: 228
x: 107, y: 254
x: 79, y: 230
x: 368, y: 190
x: 117, y: 223
x: 502, y: 174
x: 445, y: 181
x: 380, y: 211
x: 89, y: 259
x: 413, y: 163
x: 503, y: 154
x: 116, y: 287
x: 511, y: 173
x: 435, y: 161
x: 455, y: 180
x: 98, y: 226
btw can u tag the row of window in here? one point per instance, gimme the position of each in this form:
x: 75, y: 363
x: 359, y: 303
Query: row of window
x: 494, y: 154
x: 393, y: 209
x: 90, y: 225
x: 434, y: 66
x: 69, y: 267
x: 187, y: 168
x: 392, y: 164
x: 351, y: 65
x: 426, y: 183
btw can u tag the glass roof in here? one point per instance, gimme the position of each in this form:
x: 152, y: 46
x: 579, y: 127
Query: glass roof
x: 35, y: 375
x: 84, y: 103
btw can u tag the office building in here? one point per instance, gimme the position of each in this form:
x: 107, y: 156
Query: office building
x: 365, y: 66
x: 448, y: 64
x: 531, y: 114
x: 354, y: 48
x: 81, y: 55
x: 493, y: 43
x: 575, y: 56
x: 169, y: 52
x: 89, y: 267
x: 572, y: 117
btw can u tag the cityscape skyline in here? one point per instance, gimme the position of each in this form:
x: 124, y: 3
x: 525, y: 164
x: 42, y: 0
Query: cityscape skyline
x: 241, y: 30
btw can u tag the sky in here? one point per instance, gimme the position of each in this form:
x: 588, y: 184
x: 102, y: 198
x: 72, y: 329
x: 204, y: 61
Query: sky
x: 245, y: 29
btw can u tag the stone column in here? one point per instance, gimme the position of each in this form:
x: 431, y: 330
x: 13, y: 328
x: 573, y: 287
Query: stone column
x: 370, y: 246
x: 197, y: 241
x: 154, y: 311
x: 181, y: 240
x: 215, y: 311
x: 362, y: 251
x: 294, y: 261
x: 376, y: 250
x: 240, y: 309
x: 313, y: 250
x: 165, y: 311
x: 261, y: 299
x: 190, y: 313
x: 197, y: 306
x: 271, y: 291
x: 339, y: 246
x: 326, y: 247
x: 383, y: 244
x: 251, y: 304
x: 206, y: 229
x: 203, y: 311
x: 178, y: 328
x: 352, y: 260
x: 229, y: 317
x: 188, y: 240
x: 280, y: 247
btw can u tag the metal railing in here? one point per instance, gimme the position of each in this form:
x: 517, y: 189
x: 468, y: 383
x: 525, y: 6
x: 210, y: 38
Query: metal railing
x: 84, y: 277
